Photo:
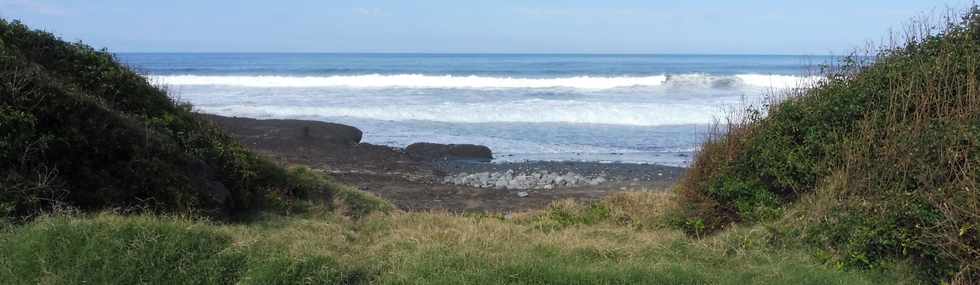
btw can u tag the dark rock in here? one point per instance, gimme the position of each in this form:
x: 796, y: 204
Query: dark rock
x: 333, y: 133
x: 433, y: 151
x: 286, y: 130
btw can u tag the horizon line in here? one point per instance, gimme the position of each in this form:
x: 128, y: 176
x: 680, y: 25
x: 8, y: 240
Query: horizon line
x: 478, y: 53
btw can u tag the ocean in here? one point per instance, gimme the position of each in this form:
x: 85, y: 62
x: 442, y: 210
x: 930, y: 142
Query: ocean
x: 525, y: 107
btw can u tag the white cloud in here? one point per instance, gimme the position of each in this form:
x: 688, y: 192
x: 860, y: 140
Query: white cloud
x: 559, y: 12
x: 370, y: 12
x: 33, y: 6
x: 544, y: 12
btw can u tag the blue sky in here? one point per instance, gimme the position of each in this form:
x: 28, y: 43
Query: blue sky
x: 505, y: 26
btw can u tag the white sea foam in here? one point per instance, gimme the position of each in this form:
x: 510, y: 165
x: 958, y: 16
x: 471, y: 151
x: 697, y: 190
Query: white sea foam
x: 640, y: 119
x: 529, y: 111
x: 778, y: 81
x: 484, y: 82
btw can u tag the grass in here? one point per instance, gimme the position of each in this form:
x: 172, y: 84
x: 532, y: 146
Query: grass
x: 625, y: 245
x: 112, y: 249
x: 868, y: 177
x: 877, y: 163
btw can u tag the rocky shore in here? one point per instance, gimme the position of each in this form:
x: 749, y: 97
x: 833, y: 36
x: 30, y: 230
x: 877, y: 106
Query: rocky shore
x: 427, y: 176
x: 544, y: 180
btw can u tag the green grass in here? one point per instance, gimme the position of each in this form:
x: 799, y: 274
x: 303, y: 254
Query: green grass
x: 110, y: 249
x: 876, y: 164
x: 406, y: 248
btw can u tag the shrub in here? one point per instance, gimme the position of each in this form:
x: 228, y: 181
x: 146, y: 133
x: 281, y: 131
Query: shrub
x: 358, y: 204
x: 892, y: 141
x: 79, y: 129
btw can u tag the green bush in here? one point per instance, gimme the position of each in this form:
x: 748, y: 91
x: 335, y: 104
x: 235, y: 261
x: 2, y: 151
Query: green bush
x: 359, y: 203
x: 893, y: 140
x: 78, y: 129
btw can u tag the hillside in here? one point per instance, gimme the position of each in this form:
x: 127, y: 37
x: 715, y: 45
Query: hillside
x: 79, y: 130
x: 879, y: 162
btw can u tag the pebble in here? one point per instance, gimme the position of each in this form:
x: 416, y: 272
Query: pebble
x: 512, y: 180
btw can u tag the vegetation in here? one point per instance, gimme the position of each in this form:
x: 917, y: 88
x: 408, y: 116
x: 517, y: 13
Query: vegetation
x: 80, y: 130
x: 627, y: 244
x: 106, y: 179
x: 878, y: 162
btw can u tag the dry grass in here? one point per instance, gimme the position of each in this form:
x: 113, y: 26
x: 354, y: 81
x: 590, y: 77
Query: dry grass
x: 876, y: 163
x: 627, y: 243
x: 619, y: 240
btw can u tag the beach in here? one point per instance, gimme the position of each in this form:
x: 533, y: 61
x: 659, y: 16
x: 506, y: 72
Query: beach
x: 421, y: 185
x: 576, y: 126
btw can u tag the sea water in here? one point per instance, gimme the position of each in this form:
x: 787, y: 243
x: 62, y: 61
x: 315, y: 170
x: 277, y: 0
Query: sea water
x: 575, y: 107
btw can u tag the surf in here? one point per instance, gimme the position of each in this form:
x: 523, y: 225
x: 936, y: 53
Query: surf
x: 484, y: 82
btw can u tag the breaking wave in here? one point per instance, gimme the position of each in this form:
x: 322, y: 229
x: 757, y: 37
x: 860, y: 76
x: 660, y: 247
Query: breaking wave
x: 530, y: 111
x: 486, y: 82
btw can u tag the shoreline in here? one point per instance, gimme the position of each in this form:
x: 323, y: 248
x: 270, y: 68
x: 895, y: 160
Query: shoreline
x: 415, y: 184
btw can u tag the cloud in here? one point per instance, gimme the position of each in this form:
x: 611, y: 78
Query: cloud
x: 544, y: 12
x: 33, y: 6
x: 370, y: 12
x: 559, y: 12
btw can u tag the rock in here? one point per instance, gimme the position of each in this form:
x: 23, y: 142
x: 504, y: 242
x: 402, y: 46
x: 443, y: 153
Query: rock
x: 570, y: 179
x: 288, y: 131
x: 331, y: 133
x: 550, y: 178
x: 500, y: 184
x: 432, y: 151
x: 511, y: 179
x: 522, y: 194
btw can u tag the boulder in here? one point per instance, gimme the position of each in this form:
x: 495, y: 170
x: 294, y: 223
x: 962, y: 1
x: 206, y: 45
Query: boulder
x: 332, y: 133
x: 433, y: 151
x: 290, y: 133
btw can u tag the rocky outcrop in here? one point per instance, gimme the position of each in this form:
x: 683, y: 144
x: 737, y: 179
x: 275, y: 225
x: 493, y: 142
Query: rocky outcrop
x: 330, y: 132
x: 301, y: 130
x: 433, y: 152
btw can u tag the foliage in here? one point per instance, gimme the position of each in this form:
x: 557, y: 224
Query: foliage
x: 890, y: 144
x: 80, y: 130
x: 403, y: 248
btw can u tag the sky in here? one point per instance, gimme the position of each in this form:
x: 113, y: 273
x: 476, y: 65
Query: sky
x: 494, y: 26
